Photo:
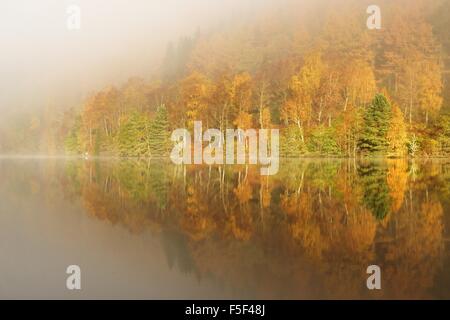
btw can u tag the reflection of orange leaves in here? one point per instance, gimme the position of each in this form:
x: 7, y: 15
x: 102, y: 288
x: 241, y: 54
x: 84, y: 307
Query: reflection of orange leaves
x: 97, y: 204
x: 417, y: 251
x: 192, y: 201
x: 196, y: 221
x: 310, y: 236
x: 357, y: 234
x: 330, y: 229
x: 431, y: 227
x: 305, y: 228
x: 243, y: 191
x: 196, y: 227
x: 295, y: 204
x: 107, y: 206
x: 240, y: 226
x: 288, y: 204
x: 266, y: 197
x: 396, y: 180
x: 135, y: 221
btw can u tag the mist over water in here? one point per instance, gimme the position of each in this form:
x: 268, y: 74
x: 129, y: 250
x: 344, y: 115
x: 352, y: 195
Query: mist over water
x: 42, y: 62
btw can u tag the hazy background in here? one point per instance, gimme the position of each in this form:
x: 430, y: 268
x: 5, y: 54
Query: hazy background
x: 43, y: 62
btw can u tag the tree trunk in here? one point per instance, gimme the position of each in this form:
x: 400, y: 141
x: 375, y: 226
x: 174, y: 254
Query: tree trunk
x: 410, y: 100
x: 90, y: 136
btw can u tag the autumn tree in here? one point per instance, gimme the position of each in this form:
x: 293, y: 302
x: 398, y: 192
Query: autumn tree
x: 240, y: 94
x: 349, y: 127
x: 430, y: 90
x: 262, y: 97
x: 359, y: 84
x: 134, y: 96
x: 317, y: 74
x: 407, y: 62
x: 299, y: 106
x: 195, y: 91
x: 396, y: 134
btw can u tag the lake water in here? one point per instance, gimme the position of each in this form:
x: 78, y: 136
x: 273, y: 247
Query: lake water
x: 141, y: 229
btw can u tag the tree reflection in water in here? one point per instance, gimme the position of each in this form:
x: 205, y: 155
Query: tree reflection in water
x: 308, y: 232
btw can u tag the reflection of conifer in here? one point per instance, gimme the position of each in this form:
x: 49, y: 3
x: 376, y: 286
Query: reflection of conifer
x: 177, y: 252
x: 375, y: 189
x: 158, y: 182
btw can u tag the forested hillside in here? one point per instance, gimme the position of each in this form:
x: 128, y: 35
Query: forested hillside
x: 332, y: 86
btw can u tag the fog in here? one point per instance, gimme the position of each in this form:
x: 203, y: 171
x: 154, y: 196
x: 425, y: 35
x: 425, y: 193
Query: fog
x: 42, y: 61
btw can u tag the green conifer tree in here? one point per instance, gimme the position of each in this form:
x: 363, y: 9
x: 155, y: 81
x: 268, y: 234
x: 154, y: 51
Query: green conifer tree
x: 377, y: 119
x: 159, y: 133
x: 133, y: 137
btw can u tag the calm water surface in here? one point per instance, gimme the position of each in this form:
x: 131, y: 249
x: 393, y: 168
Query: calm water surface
x: 142, y: 229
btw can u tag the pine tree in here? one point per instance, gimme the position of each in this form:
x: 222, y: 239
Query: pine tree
x: 159, y: 133
x: 377, y: 119
x: 133, y: 137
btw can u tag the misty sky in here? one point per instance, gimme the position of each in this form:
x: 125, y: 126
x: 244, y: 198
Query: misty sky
x: 41, y: 61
